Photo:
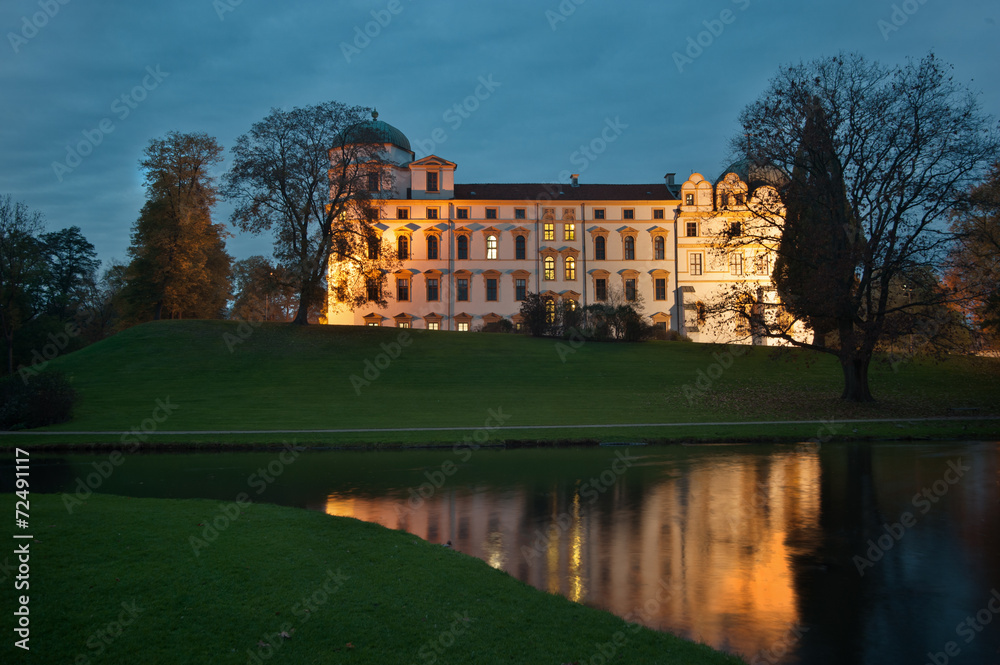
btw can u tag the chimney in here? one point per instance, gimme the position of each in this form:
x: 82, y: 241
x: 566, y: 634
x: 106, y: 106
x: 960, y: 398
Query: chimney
x: 574, y: 180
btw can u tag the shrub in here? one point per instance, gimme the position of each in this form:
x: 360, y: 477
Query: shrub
x: 45, y: 398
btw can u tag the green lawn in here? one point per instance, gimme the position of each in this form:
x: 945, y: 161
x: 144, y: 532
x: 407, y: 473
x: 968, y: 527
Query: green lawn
x: 216, y: 375
x: 120, y: 581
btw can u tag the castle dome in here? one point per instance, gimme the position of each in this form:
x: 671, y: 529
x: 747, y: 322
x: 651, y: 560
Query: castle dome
x: 377, y: 131
x: 754, y: 175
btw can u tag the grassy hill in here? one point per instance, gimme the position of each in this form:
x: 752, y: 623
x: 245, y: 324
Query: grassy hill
x: 220, y: 375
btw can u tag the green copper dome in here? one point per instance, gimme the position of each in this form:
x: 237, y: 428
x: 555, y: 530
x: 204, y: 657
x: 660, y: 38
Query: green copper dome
x: 377, y: 131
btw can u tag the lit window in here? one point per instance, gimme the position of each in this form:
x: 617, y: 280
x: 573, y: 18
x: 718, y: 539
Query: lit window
x: 374, y: 324
x: 601, y: 289
x: 694, y: 260
x: 432, y: 181
x: 491, y: 247
x: 402, y: 213
x: 463, y: 247
x: 570, y: 269
x: 519, y: 213
x: 402, y: 324
x: 692, y: 229
x: 432, y: 213
x: 570, y: 304
x: 491, y: 213
x: 550, y: 310
x: 432, y: 247
x: 432, y: 289
x: 520, y: 289
x: 689, y: 199
x: 402, y: 289
x: 736, y: 263
x: 461, y: 213
x: 550, y: 268
x: 600, y: 248
x: 629, y: 248
x: 463, y: 326
x: 491, y: 289
x: 630, y: 290
x: 463, y: 289
x: 519, y: 247
x: 658, y: 245
x: 569, y: 231
x: 661, y: 289
x: 598, y: 213
x: 628, y: 213
x: 658, y: 213
x: 403, y: 248
x: 433, y: 325
x: 549, y: 231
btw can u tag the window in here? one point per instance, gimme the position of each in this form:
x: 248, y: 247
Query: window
x: 461, y: 213
x: 371, y: 289
x: 629, y: 248
x: 373, y: 247
x: 432, y: 181
x: 374, y: 324
x: 736, y: 263
x: 491, y: 247
x: 519, y: 213
x: 402, y: 213
x: 373, y: 182
x: 724, y: 199
x: 762, y: 263
x: 658, y: 213
x: 600, y: 248
x: 735, y: 229
x: 658, y: 252
x: 570, y: 304
x: 694, y: 261
x: 463, y: 247
x: 598, y: 213
x: 491, y: 289
x: 432, y: 213
x: 570, y: 266
x: 432, y: 289
x: 689, y: 199
x: 628, y: 213
x: 661, y: 289
x: 601, y: 289
x: 740, y: 199
x: 463, y: 289
x: 569, y: 231
x: 433, y: 325
x: 550, y: 310
x: 403, y: 289
x: 463, y: 326
x: 692, y: 230
x: 630, y: 290
x: 549, y: 231
x: 432, y: 248
x: 491, y: 213
x: 402, y: 324
x: 520, y: 289
x: 550, y: 268
x: 519, y: 248
x: 403, y: 248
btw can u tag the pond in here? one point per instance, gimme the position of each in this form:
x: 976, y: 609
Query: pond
x: 841, y: 553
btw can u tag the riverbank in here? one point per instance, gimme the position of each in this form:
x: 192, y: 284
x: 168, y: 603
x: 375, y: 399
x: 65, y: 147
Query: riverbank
x: 236, y: 582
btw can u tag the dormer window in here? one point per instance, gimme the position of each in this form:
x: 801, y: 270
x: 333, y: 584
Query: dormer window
x: 432, y: 181
x: 689, y: 199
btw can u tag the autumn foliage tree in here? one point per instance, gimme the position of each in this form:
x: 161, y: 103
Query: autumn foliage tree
x: 179, y: 266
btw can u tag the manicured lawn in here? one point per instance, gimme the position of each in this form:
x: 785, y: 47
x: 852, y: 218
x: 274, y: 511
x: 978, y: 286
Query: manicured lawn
x: 120, y: 581
x: 212, y: 375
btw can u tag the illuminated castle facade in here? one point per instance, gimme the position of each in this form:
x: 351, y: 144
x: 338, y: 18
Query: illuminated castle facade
x: 470, y: 253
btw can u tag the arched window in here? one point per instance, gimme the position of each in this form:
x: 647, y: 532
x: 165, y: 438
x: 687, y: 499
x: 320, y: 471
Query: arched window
x: 570, y: 269
x: 600, y: 248
x: 491, y: 247
x: 403, y: 247
x: 463, y: 247
x: 658, y: 244
x: 432, y: 247
x: 629, y: 248
x: 519, y: 248
x: 550, y: 268
x: 550, y: 310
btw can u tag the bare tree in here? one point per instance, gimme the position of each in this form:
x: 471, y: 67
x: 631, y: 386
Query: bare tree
x: 306, y: 175
x: 901, y: 146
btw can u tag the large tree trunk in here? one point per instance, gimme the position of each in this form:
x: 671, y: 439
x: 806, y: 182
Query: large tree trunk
x: 302, y: 315
x: 855, y: 366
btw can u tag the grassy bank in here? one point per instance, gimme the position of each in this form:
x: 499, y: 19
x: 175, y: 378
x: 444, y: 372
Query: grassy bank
x: 106, y: 585
x: 215, y: 375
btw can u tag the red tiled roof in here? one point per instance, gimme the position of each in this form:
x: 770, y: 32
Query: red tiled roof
x: 542, y: 192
